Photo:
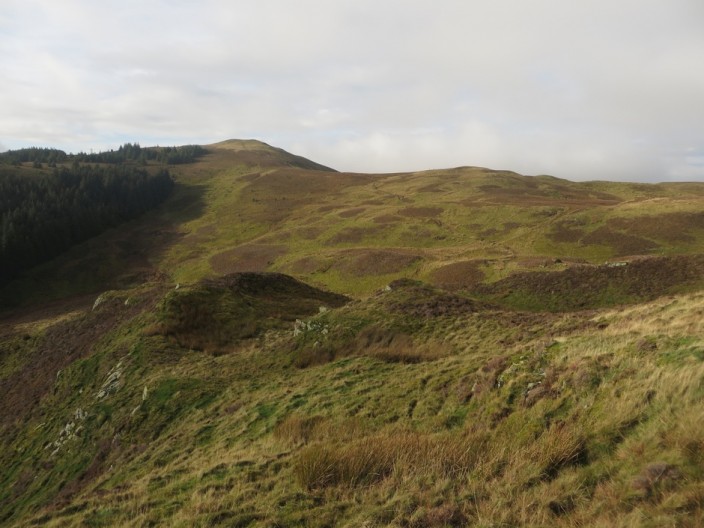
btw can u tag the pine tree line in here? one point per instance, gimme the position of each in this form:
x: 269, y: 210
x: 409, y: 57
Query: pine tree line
x: 125, y: 153
x: 34, y: 155
x: 42, y: 215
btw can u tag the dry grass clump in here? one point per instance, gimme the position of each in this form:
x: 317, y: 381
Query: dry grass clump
x: 687, y: 436
x: 397, y: 347
x: 667, y: 316
x: 593, y: 428
x: 358, y: 464
x: 297, y: 429
x: 405, y: 453
x: 409, y: 454
x: 383, y: 344
x: 446, y: 514
x: 311, y: 356
x: 514, y: 462
x: 486, y: 378
x: 560, y: 446
x: 404, y: 351
x: 455, y: 479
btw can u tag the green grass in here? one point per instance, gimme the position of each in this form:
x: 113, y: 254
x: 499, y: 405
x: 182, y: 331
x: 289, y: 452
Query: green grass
x: 238, y: 196
x: 571, y: 426
x: 408, y: 406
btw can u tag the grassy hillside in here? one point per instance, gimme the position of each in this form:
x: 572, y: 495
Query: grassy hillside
x: 280, y: 344
x: 246, y: 206
x: 412, y: 408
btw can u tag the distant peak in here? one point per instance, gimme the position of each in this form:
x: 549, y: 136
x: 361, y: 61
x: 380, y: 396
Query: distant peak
x: 257, y: 152
x: 241, y: 144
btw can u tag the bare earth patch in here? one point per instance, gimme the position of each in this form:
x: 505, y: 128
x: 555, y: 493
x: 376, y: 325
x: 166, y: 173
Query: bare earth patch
x: 361, y: 262
x: 458, y: 275
x: 386, y: 219
x: 674, y: 227
x: 308, y: 265
x: 310, y: 232
x: 251, y: 257
x: 622, y: 243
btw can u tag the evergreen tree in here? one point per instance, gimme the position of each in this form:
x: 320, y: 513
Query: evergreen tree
x: 41, y: 216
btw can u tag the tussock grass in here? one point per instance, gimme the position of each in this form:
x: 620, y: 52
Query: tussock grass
x: 398, y: 347
x: 401, y: 453
x: 385, y: 343
x: 588, y: 419
x: 296, y: 429
x: 622, y: 435
x: 405, y: 455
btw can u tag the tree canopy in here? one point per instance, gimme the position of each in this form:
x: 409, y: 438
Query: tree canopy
x: 43, y: 214
x: 129, y: 152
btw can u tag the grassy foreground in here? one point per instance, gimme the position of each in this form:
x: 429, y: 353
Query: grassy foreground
x: 467, y: 415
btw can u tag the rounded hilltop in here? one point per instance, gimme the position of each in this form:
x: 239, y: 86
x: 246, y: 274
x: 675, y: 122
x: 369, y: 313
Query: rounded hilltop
x: 255, y: 152
x: 241, y: 144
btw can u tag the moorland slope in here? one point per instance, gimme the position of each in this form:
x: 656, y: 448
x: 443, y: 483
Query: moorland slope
x: 281, y: 344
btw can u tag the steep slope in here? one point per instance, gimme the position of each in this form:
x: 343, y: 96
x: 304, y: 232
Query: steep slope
x: 68, y: 368
x: 260, y: 154
x: 415, y: 407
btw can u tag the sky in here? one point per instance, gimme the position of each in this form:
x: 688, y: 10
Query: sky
x: 580, y: 89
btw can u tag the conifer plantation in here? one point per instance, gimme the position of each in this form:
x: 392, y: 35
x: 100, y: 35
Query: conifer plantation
x: 50, y: 201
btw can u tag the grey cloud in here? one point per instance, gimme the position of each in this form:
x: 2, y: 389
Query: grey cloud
x: 598, y: 90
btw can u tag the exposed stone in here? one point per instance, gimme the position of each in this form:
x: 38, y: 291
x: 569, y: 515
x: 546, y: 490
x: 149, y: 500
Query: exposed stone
x: 100, y: 300
x: 112, y: 382
x: 69, y: 431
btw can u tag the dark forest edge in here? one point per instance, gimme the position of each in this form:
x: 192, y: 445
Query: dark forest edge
x: 129, y: 152
x: 44, y: 213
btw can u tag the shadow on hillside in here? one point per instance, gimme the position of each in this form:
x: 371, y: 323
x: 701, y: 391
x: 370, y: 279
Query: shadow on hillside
x: 120, y: 257
x: 587, y: 287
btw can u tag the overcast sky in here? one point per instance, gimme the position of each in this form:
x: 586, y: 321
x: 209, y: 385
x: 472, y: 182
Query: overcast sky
x: 581, y: 89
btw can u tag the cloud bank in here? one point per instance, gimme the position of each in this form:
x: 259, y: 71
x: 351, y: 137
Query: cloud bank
x: 588, y: 90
